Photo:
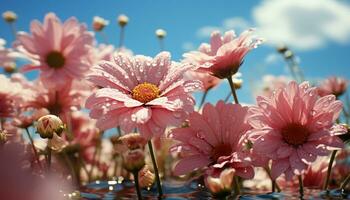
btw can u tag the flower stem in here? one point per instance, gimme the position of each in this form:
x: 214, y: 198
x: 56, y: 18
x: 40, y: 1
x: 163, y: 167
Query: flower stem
x: 233, y: 90
x: 237, y: 188
x: 48, y: 159
x: 274, y: 183
x: 203, y: 99
x: 121, y: 38
x: 329, y: 170
x: 137, y: 187
x: 154, y: 162
x: 161, y: 44
x: 71, y: 168
x: 345, y: 182
x: 34, y: 149
x: 301, y: 187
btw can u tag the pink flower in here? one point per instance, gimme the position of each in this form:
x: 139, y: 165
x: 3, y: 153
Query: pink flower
x: 11, y: 98
x: 333, y: 85
x: 271, y: 83
x: 60, y: 101
x: 214, y: 138
x: 141, y: 92
x: 223, y: 57
x: 60, y: 50
x: 293, y: 127
x: 207, y: 80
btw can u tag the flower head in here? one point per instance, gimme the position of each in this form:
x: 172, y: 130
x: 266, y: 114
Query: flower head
x: 222, y: 185
x: 60, y: 50
x: 333, y: 85
x: 214, y: 138
x: 293, y: 127
x: 48, y: 125
x: 99, y: 23
x: 160, y: 33
x: 141, y: 92
x: 9, y: 16
x: 123, y: 20
x: 224, y: 55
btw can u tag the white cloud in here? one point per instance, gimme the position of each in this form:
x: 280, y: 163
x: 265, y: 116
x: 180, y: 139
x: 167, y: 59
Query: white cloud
x: 205, y: 31
x: 303, y: 24
x: 188, y: 46
x: 272, y: 58
x: 236, y: 23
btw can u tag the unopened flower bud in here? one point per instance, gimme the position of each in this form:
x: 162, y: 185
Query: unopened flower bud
x: 9, y: 16
x: 282, y: 48
x: 221, y: 186
x: 10, y: 67
x: 3, y: 137
x: 99, y: 23
x: 288, y: 54
x: 123, y: 20
x: 146, y: 177
x: 48, y: 125
x: 133, y: 141
x: 133, y: 160
x: 160, y: 33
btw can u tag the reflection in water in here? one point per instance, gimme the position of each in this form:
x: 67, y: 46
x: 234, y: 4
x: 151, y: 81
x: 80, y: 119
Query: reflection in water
x: 109, y: 190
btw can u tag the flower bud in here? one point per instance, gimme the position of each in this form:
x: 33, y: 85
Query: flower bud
x: 133, y: 160
x: 133, y: 141
x: 48, y: 125
x: 3, y: 137
x: 282, y: 48
x: 99, y: 23
x: 9, y: 16
x: 288, y: 54
x: 160, y: 33
x: 123, y: 20
x: 221, y: 186
x: 146, y: 177
x: 10, y: 67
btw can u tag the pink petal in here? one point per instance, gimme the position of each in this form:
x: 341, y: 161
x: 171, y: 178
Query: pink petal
x: 278, y: 167
x: 190, y: 163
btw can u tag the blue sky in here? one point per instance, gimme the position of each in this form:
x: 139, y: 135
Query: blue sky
x: 318, y: 31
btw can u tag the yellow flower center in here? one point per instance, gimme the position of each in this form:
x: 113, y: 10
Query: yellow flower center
x: 295, y: 134
x: 55, y: 59
x: 145, y: 92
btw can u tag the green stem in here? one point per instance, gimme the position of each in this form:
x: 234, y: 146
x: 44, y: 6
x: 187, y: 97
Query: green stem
x: 228, y: 97
x: 329, y: 170
x: 345, y: 182
x: 71, y: 168
x: 233, y: 90
x: 301, y: 187
x: 121, y: 37
x: 274, y: 183
x: 137, y: 186
x: 237, y: 188
x: 48, y: 159
x: 34, y: 149
x: 203, y: 99
x: 155, y: 167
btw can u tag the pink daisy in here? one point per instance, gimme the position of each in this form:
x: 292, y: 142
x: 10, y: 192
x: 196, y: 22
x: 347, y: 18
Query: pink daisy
x: 58, y: 102
x: 293, y: 127
x: 207, y: 80
x: 214, y: 139
x: 141, y: 92
x: 11, y: 97
x: 333, y: 85
x: 223, y: 57
x: 60, y: 51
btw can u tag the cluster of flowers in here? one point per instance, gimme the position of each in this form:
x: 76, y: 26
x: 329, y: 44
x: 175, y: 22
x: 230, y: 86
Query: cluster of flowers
x: 285, y: 133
